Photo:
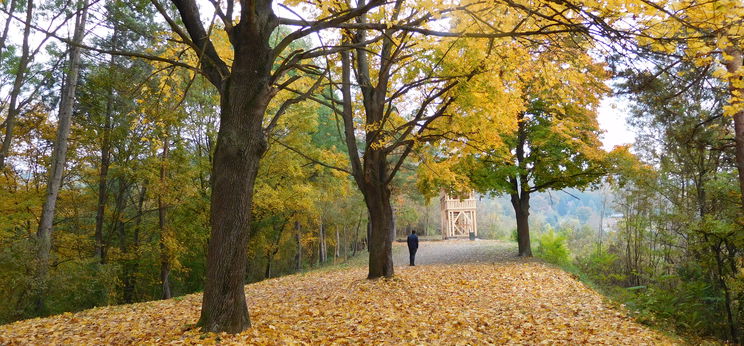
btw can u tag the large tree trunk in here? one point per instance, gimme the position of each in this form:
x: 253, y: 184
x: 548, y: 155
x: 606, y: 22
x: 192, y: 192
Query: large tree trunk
x: 380, y: 243
x: 240, y: 144
x: 15, y: 92
x: 734, y: 66
x: 522, y: 210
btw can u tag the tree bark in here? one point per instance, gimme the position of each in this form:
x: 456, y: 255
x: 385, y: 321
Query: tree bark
x: 245, y: 90
x: 44, y: 234
x: 337, y: 252
x: 520, y: 195
x: 371, y: 174
x: 165, y: 263
x: 131, y: 265
x: 716, y: 250
x: 356, y: 236
x: 380, y: 242
x: 105, y: 155
x: 14, y: 108
x: 320, y: 245
x: 298, y: 239
x: 734, y: 66
x: 269, y: 259
x: 522, y: 210
x: 240, y: 145
x: 323, y: 243
x: 234, y: 174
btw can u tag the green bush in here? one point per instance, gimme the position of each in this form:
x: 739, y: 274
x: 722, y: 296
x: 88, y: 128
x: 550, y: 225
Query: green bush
x: 552, y: 248
x: 601, y: 267
x: 16, y: 282
x: 82, y: 284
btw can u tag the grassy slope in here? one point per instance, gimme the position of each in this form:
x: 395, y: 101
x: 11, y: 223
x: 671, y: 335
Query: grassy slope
x: 504, y: 302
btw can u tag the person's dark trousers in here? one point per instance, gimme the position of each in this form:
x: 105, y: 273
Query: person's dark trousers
x: 412, y: 252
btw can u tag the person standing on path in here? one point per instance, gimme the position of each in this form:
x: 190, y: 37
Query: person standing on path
x: 412, y: 246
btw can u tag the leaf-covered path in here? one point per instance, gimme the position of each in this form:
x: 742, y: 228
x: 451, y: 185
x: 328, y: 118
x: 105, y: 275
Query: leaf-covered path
x: 458, y: 251
x: 496, y: 302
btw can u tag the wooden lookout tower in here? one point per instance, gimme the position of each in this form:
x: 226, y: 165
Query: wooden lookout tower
x: 458, y: 216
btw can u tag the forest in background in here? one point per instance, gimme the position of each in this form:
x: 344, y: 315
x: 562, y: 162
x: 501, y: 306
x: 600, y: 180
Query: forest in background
x: 132, y: 192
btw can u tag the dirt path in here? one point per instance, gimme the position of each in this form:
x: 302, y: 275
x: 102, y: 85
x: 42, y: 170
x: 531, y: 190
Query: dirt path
x: 457, y: 252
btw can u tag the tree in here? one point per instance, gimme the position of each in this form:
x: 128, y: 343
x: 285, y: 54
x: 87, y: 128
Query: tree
x: 403, y: 60
x: 704, y: 34
x: 54, y: 183
x: 556, y: 144
x: 14, y: 106
x: 246, y: 86
x: 686, y: 136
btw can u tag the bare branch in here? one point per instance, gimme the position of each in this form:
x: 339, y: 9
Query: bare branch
x: 311, y: 159
x: 283, y: 108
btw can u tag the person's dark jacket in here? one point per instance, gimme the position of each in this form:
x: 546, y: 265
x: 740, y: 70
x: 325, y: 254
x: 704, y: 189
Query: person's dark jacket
x: 412, y: 242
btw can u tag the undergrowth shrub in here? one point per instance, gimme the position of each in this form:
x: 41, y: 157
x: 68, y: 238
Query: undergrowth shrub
x: 551, y: 247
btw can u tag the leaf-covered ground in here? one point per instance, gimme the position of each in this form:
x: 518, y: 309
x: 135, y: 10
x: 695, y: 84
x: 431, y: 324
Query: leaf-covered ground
x: 511, y: 302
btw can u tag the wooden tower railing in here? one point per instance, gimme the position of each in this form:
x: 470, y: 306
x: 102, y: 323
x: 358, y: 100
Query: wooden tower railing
x: 459, y: 217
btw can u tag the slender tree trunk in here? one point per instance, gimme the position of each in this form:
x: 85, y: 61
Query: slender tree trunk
x: 395, y: 225
x: 338, y: 243
x: 20, y: 76
x: 10, y: 8
x: 44, y: 234
x: 322, y: 255
x: 269, y: 260
x: 356, y: 235
x: 131, y: 266
x: 426, y: 221
x: 716, y: 250
x: 116, y: 223
x: 271, y: 253
x: 522, y: 210
x: 165, y: 255
x: 298, y: 239
x: 734, y: 67
x: 601, y: 219
x: 105, y: 155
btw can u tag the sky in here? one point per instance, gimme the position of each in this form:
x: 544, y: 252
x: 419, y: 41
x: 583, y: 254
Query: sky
x: 612, y: 120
